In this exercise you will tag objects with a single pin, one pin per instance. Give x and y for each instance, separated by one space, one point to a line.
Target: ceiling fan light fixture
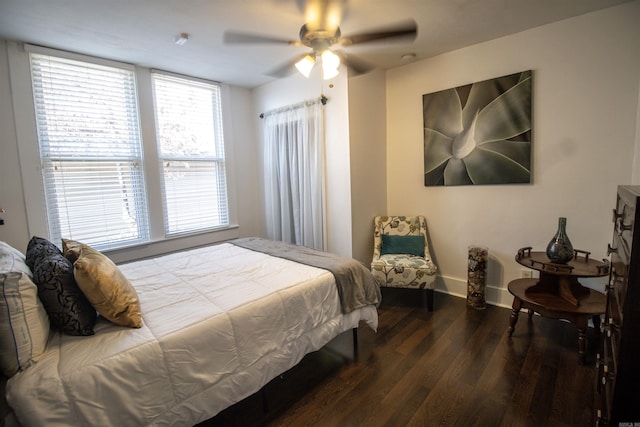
330 59
329 73
330 64
305 65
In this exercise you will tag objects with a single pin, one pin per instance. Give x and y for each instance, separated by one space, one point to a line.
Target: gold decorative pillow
104 285
71 249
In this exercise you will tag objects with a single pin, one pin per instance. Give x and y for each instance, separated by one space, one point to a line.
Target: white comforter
219 323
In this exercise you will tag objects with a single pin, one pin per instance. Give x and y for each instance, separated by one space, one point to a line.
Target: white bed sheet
219 323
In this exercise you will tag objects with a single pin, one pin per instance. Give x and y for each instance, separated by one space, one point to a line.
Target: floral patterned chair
401 256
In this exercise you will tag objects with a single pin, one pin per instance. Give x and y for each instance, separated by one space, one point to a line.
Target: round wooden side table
557 294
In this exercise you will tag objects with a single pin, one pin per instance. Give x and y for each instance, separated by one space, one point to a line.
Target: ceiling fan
322 34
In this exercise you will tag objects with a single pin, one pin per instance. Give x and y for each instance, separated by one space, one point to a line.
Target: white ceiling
143 32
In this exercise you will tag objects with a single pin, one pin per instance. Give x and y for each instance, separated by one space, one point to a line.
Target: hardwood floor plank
541 399
503 370
404 409
456 366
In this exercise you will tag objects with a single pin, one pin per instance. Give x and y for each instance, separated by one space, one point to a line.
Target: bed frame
283 391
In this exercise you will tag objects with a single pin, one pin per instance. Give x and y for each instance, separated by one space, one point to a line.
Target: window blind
191 152
91 151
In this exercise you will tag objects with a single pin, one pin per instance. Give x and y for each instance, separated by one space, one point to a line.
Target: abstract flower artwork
479 134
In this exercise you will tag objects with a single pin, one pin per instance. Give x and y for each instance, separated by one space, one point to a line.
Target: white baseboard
494 295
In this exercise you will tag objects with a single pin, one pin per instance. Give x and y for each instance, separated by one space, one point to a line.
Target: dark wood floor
455 366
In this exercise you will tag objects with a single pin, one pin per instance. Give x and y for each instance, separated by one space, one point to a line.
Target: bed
218 323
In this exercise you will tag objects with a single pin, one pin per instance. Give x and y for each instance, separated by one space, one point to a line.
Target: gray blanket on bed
356 285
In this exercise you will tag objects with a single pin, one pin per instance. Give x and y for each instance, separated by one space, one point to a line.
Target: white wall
14 231
368 136
295 89
585 111
245 159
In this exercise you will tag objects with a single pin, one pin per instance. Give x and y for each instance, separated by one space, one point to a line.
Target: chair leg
427 296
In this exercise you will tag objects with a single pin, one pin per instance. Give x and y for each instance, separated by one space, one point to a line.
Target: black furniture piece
617 396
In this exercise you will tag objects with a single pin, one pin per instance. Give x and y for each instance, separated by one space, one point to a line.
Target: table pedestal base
527 295
566 287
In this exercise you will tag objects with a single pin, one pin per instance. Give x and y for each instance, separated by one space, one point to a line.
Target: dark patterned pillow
67 307
37 249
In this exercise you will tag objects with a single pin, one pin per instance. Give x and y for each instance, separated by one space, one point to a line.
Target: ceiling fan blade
285 69
233 37
403 32
355 65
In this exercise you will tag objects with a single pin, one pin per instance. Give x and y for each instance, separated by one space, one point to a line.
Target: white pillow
24 325
12 259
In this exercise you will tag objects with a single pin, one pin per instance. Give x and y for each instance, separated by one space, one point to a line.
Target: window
191 153
91 151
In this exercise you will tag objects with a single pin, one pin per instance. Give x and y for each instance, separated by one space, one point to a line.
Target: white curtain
294 174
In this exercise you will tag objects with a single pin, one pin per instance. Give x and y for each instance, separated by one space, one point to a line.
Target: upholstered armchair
401 256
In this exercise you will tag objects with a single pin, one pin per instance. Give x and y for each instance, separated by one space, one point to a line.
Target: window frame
121 165
219 160
31 173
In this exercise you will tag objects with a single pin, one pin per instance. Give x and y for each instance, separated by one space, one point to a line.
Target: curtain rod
323 99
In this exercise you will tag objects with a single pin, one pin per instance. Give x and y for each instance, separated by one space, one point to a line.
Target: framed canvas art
480 133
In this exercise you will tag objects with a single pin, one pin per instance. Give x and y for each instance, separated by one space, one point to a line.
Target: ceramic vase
560 249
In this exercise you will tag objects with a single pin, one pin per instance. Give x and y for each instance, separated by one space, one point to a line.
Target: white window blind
191 152
90 148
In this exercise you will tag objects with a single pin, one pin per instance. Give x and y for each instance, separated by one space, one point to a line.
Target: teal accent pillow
411 245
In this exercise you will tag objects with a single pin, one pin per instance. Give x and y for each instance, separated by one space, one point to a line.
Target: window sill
172 244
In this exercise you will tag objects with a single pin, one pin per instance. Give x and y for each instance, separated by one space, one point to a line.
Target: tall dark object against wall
618 371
